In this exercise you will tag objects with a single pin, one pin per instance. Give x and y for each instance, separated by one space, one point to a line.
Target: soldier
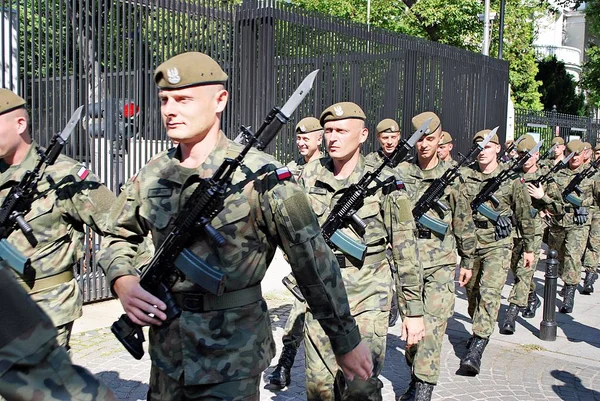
559 153
388 218
69 197
597 152
309 136
220 344
494 246
444 149
511 155
34 366
437 254
522 295
587 152
388 135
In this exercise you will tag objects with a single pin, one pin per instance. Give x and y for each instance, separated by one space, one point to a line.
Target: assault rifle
18 201
353 199
510 148
431 198
572 190
548 176
494 183
173 260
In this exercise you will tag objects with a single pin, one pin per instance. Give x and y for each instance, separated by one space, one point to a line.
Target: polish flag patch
283 173
399 184
83 173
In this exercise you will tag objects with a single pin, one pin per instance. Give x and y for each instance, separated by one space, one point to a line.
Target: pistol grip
347 245
14 258
433 224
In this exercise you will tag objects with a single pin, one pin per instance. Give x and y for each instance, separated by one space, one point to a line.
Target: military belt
481 224
193 302
369 260
50 281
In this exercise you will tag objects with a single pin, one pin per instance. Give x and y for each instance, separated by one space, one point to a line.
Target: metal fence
59 55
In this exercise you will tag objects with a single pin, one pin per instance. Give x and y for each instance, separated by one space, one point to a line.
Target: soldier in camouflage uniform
437 254
388 135
570 225
220 344
69 197
444 149
592 250
559 153
597 152
587 152
309 136
523 294
388 218
32 364
494 246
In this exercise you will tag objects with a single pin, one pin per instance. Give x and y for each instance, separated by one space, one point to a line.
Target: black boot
588 282
471 363
409 394
533 302
280 377
424 391
508 327
569 299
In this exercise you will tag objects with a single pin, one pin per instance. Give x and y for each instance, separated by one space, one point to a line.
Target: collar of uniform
434 172
326 174
15 173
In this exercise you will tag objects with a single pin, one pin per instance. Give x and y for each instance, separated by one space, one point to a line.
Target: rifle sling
194 302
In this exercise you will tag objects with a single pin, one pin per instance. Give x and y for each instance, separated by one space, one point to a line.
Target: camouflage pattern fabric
296 167
592 250
389 220
438 256
293 332
570 244
260 213
374 158
70 196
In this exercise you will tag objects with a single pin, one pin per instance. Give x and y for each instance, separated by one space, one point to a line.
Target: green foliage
590 76
558 88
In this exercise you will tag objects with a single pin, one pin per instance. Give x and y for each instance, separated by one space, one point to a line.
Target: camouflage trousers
293 332
64 335
570 244
524 283
321 366
165 388
592 250
490 268
438 304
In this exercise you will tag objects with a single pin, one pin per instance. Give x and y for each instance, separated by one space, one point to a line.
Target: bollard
548 325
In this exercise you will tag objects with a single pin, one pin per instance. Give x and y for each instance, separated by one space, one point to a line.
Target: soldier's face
388 141
13 132
309 143
559 150
587 155
190 113
489 153
344 137
531 161
576 160
444 151
428 144
597 154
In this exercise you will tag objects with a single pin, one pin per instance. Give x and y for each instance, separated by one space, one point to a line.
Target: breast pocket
159 207
370 214
43 218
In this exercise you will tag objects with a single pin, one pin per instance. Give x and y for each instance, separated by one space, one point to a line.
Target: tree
559 88
590 75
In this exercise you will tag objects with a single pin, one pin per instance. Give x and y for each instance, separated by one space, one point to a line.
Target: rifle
572 190
494 183
431 197
18 201
353 199
173 260
550 151
548 176
509 149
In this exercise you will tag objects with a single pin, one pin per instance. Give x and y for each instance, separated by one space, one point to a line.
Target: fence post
548 325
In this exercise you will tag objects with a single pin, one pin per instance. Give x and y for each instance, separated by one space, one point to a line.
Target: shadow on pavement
572 384
124 389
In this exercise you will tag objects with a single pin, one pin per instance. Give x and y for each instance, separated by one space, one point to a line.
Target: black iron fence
59 55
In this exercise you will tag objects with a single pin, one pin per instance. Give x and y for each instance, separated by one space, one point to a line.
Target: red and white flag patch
83 173
283 173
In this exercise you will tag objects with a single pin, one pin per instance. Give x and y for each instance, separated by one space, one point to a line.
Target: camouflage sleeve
463 225
552 199
125 231
290 219
522 210
399 221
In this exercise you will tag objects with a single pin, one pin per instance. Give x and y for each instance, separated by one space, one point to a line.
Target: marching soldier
444 149
559 153
437 254
220 344
388 135
494 246
68 197
388 218
587 152
309 136
597 152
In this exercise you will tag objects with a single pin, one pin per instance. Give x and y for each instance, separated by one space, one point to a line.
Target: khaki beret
342 111
188 69
387 125
558 140
587 145
480 136
575 146
446 138
307 125
597 147
10 101
419 119
526 144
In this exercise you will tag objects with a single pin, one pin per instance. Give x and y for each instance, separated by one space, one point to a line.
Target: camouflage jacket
389 220
514 200
262 211
374 157
441 250
536 205
296 167
562 211
69 197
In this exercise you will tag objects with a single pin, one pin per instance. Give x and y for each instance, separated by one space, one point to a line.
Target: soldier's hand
356 363
535 192
413 330
580 216
528 258
503 227
464 276
142 307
